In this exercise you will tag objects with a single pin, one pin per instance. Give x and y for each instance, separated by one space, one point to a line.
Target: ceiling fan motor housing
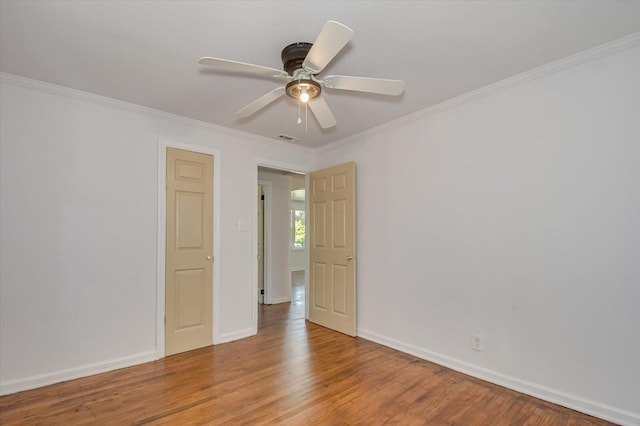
293 56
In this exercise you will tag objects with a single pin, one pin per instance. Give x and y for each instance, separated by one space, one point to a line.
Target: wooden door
189 251
332 244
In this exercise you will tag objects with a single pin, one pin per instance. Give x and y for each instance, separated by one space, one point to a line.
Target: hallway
298 295
267 314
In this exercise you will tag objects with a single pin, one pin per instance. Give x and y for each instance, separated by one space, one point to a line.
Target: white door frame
266 216
163 144
274 164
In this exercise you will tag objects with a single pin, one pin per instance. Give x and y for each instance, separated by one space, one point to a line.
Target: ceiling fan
302 64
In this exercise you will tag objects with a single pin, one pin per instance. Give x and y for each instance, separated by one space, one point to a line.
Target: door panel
339 290
189 299
319 300
189 220
332 244
339 209
189 251
319 223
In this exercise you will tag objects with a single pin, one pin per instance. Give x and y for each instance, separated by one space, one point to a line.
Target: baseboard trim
280 300
592 408
236 335
13 386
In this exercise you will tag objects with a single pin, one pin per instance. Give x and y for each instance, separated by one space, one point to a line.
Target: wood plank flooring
293 373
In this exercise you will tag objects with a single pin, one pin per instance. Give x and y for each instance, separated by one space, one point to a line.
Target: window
297 219
297 229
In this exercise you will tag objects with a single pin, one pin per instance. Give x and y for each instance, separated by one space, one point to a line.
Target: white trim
306 239
266 242
574 402
236 335
13 386
274 164
280 165
280 300
609 48
163 144
54 89
597 52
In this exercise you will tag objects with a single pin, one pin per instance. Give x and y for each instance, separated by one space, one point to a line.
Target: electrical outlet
477 343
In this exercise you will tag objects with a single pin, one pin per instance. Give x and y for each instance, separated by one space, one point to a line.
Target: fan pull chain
299 120
306 117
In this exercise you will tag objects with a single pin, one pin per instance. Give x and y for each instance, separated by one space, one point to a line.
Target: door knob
209 257
348 258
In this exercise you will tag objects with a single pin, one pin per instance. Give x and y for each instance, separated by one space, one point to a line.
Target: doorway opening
281 249
330 245
297 238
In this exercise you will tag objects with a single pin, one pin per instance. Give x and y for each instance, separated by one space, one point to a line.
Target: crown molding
588 55
612 47
67 92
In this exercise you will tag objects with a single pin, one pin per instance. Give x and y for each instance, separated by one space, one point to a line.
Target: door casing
261 249
163 144
266 242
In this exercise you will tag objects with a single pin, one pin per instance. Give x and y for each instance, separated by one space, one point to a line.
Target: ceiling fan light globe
296 88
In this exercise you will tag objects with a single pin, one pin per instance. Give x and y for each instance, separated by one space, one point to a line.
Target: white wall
277 270
298 260
296 182
523 225
78 220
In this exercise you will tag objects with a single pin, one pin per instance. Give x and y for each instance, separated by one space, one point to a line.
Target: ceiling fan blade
364 84
227 65
323 114
332 38
261 102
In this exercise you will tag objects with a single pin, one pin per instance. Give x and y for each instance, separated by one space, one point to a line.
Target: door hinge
165 320
261 291
262 197
165 182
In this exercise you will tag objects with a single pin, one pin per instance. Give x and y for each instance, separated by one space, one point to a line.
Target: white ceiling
146 52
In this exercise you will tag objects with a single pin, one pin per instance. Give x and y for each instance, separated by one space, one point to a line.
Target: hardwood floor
292 372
